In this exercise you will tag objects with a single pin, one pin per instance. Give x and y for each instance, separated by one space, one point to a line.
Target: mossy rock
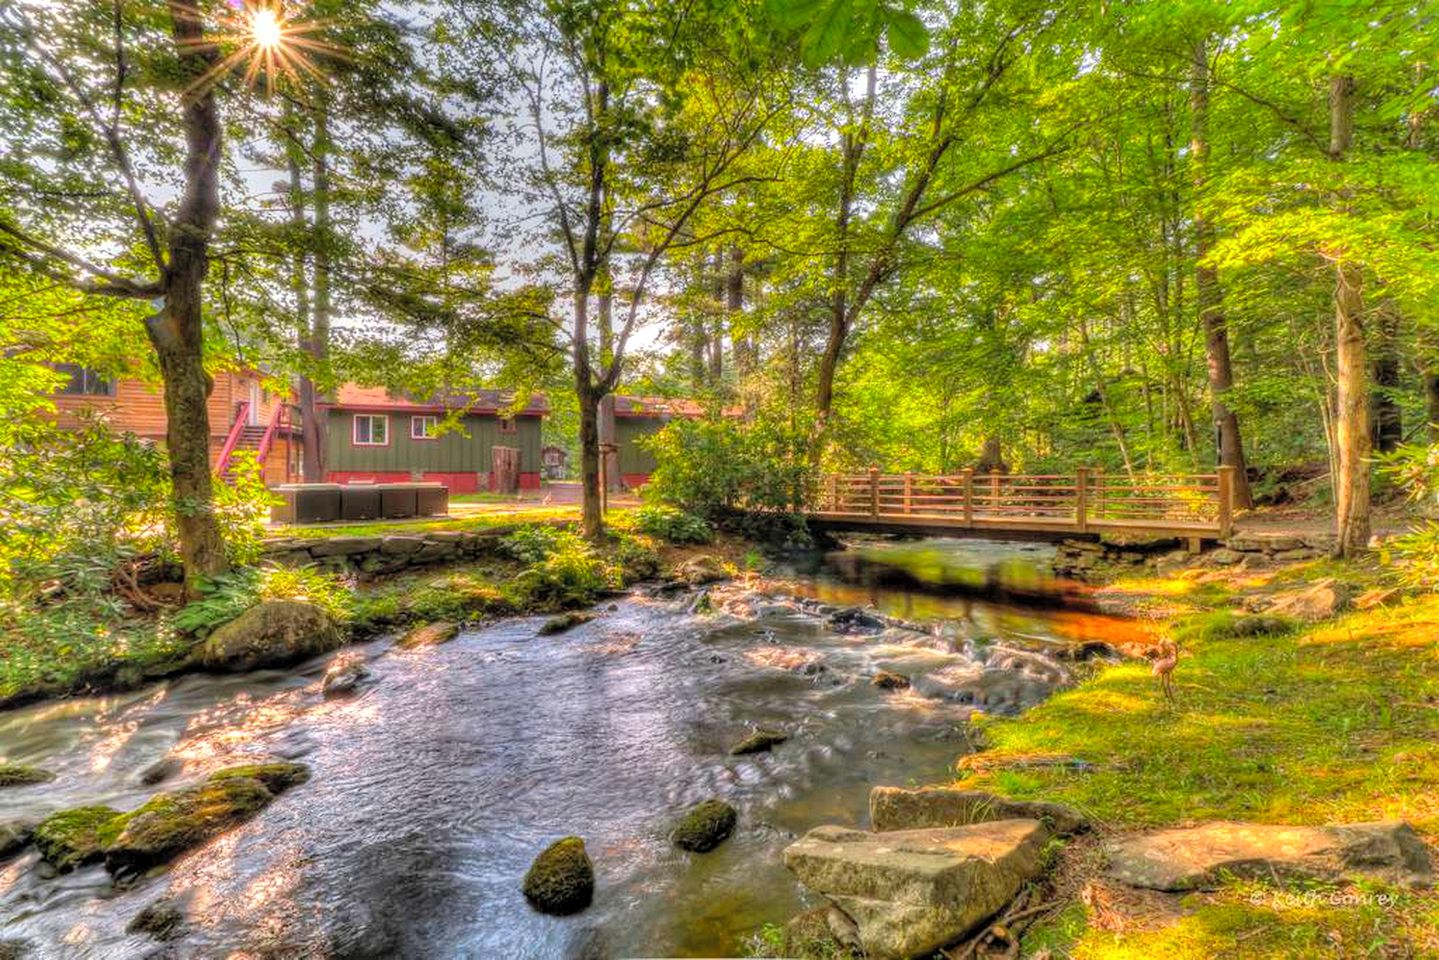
430 634
72 838
272 633
20 775
161 919
167 825
565 621
888 680
15 835
277 776
561 881
761 741
704 826
1260 625
14 949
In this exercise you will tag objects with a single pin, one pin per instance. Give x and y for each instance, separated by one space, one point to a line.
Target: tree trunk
318 343
744 357
1388 416
1208 292
592 520
991 457
1431 401
1352 424
177 331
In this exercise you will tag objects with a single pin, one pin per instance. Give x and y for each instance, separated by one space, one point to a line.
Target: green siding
627 431
456 451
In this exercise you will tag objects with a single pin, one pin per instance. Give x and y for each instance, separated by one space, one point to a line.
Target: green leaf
793 14
908 36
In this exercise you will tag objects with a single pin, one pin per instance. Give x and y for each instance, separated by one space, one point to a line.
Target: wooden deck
1029 506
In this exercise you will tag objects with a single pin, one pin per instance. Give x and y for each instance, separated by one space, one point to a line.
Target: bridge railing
1083 500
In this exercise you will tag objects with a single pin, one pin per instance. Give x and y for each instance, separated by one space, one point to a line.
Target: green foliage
564 569
242 507
709 466
226 597
672 525
534 543
1415 553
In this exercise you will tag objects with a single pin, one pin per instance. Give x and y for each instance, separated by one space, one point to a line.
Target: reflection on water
434 788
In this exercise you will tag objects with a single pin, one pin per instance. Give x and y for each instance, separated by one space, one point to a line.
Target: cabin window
85 382
371 430
507 425
424 428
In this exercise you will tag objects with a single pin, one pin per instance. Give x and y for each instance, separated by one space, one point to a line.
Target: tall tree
85 67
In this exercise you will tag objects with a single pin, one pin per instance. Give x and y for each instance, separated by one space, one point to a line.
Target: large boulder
912 892
704 826
1197 858
895 808
272 633
702 570
1319 601
561 881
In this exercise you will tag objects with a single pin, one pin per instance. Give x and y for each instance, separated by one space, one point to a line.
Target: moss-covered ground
1331 722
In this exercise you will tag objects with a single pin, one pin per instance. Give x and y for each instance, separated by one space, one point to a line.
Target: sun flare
266 27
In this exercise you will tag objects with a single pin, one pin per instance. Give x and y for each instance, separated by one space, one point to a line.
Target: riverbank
368 578
1275 720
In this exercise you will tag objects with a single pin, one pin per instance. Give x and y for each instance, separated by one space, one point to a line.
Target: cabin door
254 414
505 462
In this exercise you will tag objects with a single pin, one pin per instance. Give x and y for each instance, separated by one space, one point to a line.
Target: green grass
1328 723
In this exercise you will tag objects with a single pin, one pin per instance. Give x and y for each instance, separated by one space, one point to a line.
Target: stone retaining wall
384 554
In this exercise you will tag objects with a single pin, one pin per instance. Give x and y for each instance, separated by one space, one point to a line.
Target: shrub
77 506
706 466
535 543
675 526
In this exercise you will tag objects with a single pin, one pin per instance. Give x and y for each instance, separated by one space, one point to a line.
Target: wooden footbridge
1029 506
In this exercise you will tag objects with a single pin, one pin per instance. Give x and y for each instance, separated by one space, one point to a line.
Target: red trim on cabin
633 480
530 481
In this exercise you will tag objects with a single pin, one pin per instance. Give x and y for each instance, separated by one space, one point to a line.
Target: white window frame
419 420
371 417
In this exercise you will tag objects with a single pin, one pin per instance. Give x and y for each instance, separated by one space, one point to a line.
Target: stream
436 785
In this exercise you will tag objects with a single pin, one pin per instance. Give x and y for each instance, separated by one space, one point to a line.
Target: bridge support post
1226 502
969 496
834 492
874 491
908 489
1081 499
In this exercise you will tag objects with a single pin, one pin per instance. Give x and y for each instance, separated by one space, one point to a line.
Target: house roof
352 396
665 407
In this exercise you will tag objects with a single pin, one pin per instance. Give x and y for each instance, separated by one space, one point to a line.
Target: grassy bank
1323 723
542 567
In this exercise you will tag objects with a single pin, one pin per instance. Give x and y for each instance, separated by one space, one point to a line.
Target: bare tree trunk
300 282
1431 402
1208 291
741 343
177 331
592 520
318 344
1351 485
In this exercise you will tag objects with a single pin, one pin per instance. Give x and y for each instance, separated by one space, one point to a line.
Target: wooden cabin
375 436
244 414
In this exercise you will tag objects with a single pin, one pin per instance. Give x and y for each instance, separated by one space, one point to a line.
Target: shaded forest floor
1323 723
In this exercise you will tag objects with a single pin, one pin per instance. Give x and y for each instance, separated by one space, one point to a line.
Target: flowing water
436 785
